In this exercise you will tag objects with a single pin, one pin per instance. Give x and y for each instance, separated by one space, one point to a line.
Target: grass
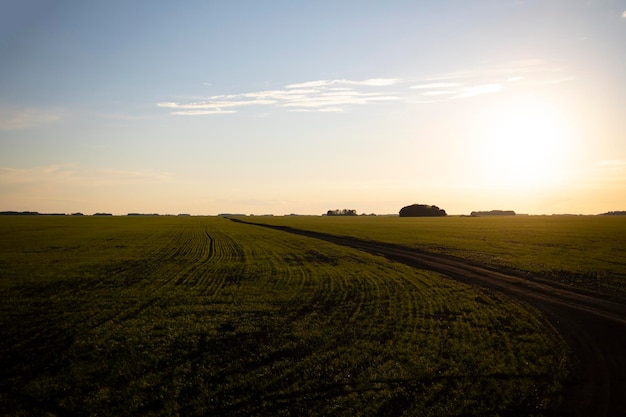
203 316
582 251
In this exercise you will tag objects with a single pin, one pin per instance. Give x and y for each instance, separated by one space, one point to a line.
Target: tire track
594 326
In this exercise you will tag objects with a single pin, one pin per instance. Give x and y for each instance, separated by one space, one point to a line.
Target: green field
203 316
582 251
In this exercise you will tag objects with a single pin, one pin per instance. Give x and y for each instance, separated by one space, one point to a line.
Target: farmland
579 251
205 316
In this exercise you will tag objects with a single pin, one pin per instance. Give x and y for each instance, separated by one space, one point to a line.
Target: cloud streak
473 82
478 90
372 82
319 95
338 95
435 85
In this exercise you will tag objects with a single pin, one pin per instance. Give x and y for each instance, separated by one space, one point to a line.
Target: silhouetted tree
422 210
344 212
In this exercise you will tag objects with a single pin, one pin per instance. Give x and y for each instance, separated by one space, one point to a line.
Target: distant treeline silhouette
422 210
28 213
614 213
493 213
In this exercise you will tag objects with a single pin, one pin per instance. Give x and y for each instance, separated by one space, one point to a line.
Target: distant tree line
614 213
343 212
28 213
36 213
422 210
493 213
19 213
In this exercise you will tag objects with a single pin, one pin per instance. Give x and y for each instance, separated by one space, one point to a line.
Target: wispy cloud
487 79
319 95
435 85
217 104
22 118
478 90
202 112
375 82
440 93
337 95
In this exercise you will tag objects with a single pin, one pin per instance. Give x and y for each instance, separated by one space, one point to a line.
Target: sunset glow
527 144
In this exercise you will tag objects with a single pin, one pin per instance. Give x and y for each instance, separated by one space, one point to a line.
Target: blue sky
280 107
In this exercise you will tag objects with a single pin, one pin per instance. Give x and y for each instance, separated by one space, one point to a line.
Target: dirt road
594 326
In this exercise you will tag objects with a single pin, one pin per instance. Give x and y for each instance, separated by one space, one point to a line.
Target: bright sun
524 143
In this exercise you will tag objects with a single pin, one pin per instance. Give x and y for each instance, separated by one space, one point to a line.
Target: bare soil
593 325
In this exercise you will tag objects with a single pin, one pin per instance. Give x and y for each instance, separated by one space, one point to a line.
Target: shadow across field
594 326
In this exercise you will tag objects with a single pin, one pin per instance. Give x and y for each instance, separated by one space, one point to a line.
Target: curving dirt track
594 326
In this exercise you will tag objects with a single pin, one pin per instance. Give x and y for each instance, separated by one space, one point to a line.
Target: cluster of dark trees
422 210
493 213
344 212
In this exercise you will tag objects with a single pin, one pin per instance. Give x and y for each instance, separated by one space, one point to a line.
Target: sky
279 107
